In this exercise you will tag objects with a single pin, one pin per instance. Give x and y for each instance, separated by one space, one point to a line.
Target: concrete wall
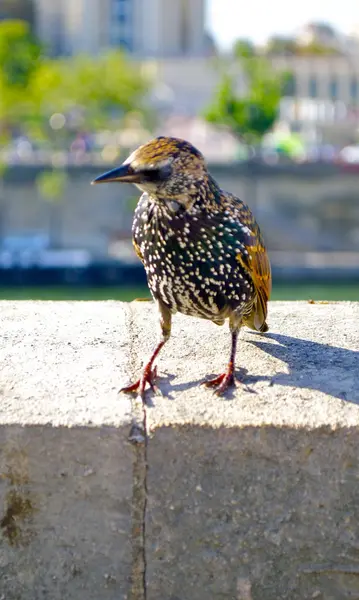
300 209
251 496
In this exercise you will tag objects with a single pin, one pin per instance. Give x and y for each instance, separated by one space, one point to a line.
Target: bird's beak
122 174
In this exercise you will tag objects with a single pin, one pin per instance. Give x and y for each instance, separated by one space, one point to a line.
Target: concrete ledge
65 497
252 496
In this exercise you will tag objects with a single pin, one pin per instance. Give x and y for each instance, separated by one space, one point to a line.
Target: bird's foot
149 375
222 382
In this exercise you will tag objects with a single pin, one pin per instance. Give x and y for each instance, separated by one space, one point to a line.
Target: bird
201 247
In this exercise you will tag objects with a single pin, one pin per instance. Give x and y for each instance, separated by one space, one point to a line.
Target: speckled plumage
190 259
201 247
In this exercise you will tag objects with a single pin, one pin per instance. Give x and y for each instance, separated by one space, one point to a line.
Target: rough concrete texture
66 467
252 496
65 497
255 496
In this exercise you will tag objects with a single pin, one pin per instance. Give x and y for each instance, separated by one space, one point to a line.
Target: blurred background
270 95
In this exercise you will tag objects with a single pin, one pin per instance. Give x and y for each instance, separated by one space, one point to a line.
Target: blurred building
353 40
331 78
327 77
324 94
18 9
322 99
147 28
170 40
50 24
321 34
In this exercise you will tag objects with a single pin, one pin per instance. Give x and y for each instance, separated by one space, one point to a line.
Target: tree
49 99
284 46
315 48
244 48
19 56
251 115
33 87
19 52
278 45
101 88
83 93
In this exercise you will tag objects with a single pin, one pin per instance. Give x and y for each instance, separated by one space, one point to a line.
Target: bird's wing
256 263
140 211
137 250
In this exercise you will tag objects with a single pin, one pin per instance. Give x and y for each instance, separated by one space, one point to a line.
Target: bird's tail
264 327
252 323
257 318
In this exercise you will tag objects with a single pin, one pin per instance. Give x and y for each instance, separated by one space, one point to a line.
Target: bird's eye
156 174
150 175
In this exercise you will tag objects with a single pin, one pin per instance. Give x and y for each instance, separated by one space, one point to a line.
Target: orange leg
226 379
149 373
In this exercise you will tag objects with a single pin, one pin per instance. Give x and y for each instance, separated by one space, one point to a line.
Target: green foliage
244 48
316 49
49 99
19 52
19 57
100 90
251 115
283 46
97 87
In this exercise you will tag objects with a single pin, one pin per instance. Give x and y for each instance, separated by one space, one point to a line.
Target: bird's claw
221 383
148 376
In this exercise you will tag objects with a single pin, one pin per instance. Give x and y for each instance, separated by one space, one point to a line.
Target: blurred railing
309 213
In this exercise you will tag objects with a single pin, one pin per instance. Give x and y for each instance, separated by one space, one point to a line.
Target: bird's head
167 168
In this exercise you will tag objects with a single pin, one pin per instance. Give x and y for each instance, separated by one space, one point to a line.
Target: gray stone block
252 496
65 497
66 466
253 513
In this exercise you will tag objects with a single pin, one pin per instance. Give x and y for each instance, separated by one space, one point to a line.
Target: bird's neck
214 189
210 193
205 193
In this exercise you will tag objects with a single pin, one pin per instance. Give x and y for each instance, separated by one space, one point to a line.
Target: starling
201 247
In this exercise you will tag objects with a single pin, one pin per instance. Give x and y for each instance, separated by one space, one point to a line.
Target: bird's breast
189 264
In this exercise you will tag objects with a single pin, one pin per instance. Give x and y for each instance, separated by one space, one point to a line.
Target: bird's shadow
329 369
168 388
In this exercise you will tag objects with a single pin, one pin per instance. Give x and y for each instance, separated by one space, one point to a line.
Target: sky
258 19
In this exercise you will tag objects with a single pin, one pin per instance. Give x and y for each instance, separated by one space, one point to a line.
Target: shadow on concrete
328 369
332 370
168 388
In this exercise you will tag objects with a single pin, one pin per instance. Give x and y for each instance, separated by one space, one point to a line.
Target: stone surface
252 496
273 509
61 363
255 496
65 498
302 373
66 467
